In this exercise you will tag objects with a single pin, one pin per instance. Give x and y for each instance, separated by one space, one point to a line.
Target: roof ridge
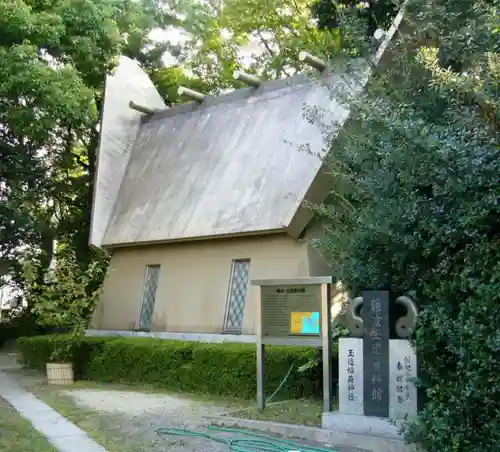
267 87
343 66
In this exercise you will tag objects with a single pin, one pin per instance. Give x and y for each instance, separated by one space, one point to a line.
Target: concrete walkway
61 433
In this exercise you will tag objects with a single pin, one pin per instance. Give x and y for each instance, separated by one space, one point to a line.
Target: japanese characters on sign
290 290
376 353
400 383
403 376
351 382
403 396
377 390
408 375
351 375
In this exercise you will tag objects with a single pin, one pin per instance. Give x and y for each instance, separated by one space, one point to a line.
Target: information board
294 312
291 310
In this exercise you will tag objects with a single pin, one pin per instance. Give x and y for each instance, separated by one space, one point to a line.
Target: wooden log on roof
142 108
314 62
191 93
248 79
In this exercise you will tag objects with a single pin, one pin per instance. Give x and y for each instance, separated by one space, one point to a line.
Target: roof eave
265 232
315 195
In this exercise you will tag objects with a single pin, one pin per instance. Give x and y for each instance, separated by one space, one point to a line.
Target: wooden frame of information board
323 339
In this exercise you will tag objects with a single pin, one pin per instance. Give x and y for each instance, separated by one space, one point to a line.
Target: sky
179 36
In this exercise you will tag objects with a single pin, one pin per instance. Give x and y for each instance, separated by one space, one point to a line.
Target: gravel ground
133 403
140 415
130 419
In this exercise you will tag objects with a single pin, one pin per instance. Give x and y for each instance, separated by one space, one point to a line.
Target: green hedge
220 369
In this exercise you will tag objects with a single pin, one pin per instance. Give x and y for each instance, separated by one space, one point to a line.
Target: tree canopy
55 56
416 170
376 13
417 210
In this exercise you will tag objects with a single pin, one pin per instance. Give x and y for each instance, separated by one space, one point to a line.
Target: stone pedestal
365 432
360 425
402 372
376 375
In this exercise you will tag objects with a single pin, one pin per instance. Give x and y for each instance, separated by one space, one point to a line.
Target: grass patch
17 434
302 411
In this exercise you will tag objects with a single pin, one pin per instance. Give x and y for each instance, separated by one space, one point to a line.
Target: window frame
234 262
143 294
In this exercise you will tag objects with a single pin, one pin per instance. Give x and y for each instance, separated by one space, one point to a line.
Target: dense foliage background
416 202
420 210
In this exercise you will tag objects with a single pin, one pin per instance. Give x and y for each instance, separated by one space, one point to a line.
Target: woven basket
60 373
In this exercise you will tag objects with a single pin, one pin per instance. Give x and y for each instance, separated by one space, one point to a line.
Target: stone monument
377 365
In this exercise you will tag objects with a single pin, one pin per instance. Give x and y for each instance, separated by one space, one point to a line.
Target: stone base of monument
395 394
360 425
335 439
366 432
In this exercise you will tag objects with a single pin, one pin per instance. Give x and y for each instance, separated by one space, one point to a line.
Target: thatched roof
233 165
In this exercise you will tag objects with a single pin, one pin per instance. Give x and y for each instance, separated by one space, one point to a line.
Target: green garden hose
243 440
280 385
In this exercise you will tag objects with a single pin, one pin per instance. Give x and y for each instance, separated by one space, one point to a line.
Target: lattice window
149 297
237 296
